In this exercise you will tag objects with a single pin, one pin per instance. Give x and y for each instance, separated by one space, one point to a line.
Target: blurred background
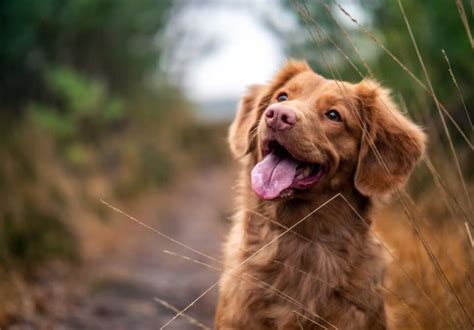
128 102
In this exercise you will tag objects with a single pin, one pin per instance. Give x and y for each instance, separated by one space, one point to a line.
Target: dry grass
454 255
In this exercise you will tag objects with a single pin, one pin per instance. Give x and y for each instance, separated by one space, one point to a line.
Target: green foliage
86 106
70 74
114 40
436 25
86 110
205 143
157 164
33 239
32 229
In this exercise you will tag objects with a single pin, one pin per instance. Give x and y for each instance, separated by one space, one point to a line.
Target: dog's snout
279 117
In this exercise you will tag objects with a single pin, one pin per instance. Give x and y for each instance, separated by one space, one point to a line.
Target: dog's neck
326 216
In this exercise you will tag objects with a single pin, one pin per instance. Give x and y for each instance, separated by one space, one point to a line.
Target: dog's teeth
307 171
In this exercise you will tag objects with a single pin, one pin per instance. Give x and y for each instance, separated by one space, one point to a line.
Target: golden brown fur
328 269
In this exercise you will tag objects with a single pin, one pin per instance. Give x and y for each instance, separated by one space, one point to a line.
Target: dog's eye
333 115
282 97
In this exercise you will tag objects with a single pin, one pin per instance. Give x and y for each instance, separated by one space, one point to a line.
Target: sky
243 51
217 48
249 54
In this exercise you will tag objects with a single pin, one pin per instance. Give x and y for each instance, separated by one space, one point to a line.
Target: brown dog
303 139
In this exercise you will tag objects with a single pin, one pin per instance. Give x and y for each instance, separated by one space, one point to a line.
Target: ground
118 289
125 267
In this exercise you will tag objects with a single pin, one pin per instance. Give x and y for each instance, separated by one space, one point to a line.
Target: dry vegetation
417 294
430 279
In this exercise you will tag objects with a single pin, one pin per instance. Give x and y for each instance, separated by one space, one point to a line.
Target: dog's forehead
305 83
309 83
337 87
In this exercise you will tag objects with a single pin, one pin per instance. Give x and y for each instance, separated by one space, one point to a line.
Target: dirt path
121 288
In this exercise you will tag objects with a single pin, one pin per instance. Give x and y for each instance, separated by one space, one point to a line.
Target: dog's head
305 133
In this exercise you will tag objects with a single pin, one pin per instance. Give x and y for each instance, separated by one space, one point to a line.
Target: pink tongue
273 175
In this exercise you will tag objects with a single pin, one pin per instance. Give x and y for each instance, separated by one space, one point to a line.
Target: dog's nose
279 118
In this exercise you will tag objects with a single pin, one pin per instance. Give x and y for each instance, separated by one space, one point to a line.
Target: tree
436 25
111 40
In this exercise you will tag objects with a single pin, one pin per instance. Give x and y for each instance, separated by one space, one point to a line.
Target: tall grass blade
465 22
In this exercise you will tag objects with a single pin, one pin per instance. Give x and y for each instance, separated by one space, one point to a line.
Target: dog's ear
391 144
242 132
241 129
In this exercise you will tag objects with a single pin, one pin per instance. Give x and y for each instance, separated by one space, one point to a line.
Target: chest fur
281 271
